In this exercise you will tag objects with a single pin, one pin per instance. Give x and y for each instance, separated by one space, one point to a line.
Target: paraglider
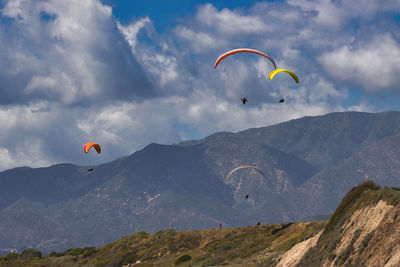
282 100
242 50
247 196
244 100
88 146
241 167
291 73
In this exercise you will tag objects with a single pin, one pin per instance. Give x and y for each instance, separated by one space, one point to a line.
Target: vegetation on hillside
252 246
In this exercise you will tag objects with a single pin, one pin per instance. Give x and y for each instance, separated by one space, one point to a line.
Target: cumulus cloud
131 31
213 29
373 65
228 22
368 8
23 135
211 115
69 50
327 13
199 41
336 14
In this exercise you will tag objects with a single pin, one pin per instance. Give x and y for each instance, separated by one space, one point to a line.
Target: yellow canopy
291 73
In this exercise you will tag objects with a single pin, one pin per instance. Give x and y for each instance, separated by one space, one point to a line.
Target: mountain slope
309 165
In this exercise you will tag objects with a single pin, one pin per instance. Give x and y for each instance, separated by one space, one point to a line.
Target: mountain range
309 165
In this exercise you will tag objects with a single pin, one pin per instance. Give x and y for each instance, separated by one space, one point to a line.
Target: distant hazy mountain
309 165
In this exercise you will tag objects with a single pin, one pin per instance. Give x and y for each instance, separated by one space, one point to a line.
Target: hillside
256 245
309 166
364 231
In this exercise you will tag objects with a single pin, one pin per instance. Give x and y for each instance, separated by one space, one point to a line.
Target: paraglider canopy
88 146
91 169
282 100
242 50
291 73
241 167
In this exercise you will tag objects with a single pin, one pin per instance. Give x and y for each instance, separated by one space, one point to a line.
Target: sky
125 74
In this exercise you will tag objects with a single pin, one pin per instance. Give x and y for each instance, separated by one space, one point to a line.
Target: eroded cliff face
379 241
366 236
365 231
292 257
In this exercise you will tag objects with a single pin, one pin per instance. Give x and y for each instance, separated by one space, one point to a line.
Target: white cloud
368 8
327 13
199 41
214 29
25 154
20 139
335 14
131 31
161 66
228 22
373 66
214 114
71 50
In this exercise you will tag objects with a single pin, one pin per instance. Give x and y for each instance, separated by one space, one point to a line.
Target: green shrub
56 254
80 251
9 257
349 249
366 239
267 262
128 258
183 258
212 262
163 235
89 251
141 234
31 253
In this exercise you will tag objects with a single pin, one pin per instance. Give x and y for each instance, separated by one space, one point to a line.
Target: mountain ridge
309 165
